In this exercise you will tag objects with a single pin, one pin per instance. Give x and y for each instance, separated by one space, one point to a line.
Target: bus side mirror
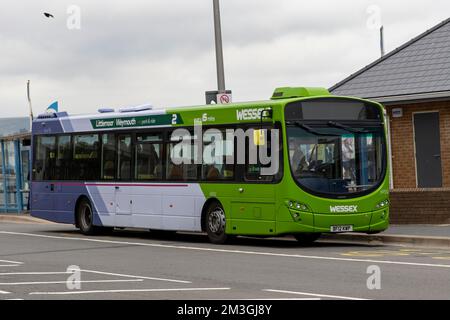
267 114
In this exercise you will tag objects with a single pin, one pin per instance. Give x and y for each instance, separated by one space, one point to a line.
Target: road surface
41 261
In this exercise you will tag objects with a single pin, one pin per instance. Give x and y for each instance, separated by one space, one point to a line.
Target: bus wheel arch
205 211
214 210
84 215
75 211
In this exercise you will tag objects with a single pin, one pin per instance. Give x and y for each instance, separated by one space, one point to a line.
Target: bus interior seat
176 173
108 170
125 170
213 173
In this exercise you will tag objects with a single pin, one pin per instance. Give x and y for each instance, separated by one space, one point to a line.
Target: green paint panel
253 227
253 210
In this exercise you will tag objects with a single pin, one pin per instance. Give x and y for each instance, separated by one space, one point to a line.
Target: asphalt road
34 259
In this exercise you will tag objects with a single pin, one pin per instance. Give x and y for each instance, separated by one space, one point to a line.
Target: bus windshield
336 159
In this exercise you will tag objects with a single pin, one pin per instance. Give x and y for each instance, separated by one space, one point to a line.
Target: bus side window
63 157
253 146
108 156
187 170
124 157
44 164
86 164
148 161
181 155
215 152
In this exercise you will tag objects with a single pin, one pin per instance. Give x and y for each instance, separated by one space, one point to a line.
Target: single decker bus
118 169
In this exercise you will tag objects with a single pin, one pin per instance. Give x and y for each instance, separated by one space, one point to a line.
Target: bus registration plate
342 228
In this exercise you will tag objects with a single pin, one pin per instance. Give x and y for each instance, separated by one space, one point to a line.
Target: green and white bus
117 168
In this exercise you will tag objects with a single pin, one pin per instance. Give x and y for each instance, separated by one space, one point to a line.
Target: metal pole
382 40
4 173
219 50
29 104
17 164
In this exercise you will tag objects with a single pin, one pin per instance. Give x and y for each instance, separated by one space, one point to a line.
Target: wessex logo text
343 208
249 114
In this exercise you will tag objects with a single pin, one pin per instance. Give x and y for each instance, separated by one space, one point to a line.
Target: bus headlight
295 205
382 204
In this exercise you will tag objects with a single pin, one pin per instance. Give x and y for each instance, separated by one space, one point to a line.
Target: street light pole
382 40
219 50
29 104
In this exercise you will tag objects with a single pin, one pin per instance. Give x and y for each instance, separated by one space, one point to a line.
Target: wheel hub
86 217
216 221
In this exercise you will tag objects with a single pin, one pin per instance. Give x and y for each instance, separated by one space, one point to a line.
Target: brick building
413 82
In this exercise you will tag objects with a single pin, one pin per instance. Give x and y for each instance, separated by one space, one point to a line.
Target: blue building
15 148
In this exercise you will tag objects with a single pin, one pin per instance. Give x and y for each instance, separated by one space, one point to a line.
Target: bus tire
215 223
85 217
305 239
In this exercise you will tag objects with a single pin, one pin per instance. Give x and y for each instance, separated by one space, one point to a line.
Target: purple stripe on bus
70 184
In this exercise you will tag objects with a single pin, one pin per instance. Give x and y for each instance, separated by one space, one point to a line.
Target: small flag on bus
53 107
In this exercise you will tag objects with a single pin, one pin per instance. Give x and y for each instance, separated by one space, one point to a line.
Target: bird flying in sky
48 15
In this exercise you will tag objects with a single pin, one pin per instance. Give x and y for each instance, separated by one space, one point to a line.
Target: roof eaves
416 97
16 136
390 54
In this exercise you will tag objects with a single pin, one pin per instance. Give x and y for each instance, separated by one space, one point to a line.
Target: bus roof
137 118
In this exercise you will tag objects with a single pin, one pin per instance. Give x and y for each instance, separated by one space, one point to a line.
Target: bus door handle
241 190
117 187
52 187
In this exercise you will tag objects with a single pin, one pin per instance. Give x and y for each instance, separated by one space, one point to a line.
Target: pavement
21 218
54 261
414 235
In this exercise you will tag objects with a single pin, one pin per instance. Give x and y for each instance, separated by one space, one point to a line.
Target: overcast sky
162 52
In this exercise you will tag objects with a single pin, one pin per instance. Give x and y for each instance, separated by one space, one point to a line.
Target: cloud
163 51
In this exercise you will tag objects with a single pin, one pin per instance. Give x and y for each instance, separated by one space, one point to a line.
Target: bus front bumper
368 222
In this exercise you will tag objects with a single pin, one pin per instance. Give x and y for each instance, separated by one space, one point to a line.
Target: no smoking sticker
224 98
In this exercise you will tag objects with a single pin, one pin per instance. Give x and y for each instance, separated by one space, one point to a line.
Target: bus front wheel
85 218
215 223
306 238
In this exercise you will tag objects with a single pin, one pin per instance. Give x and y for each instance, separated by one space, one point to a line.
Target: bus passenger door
123 191
43 195
147 197
253 201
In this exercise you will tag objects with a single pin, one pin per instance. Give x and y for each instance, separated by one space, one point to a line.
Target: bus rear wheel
85 218
305 239
215 223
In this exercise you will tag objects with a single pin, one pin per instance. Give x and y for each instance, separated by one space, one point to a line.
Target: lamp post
29 104
219 50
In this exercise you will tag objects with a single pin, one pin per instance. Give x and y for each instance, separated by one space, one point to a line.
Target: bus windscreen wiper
310 129
343 126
